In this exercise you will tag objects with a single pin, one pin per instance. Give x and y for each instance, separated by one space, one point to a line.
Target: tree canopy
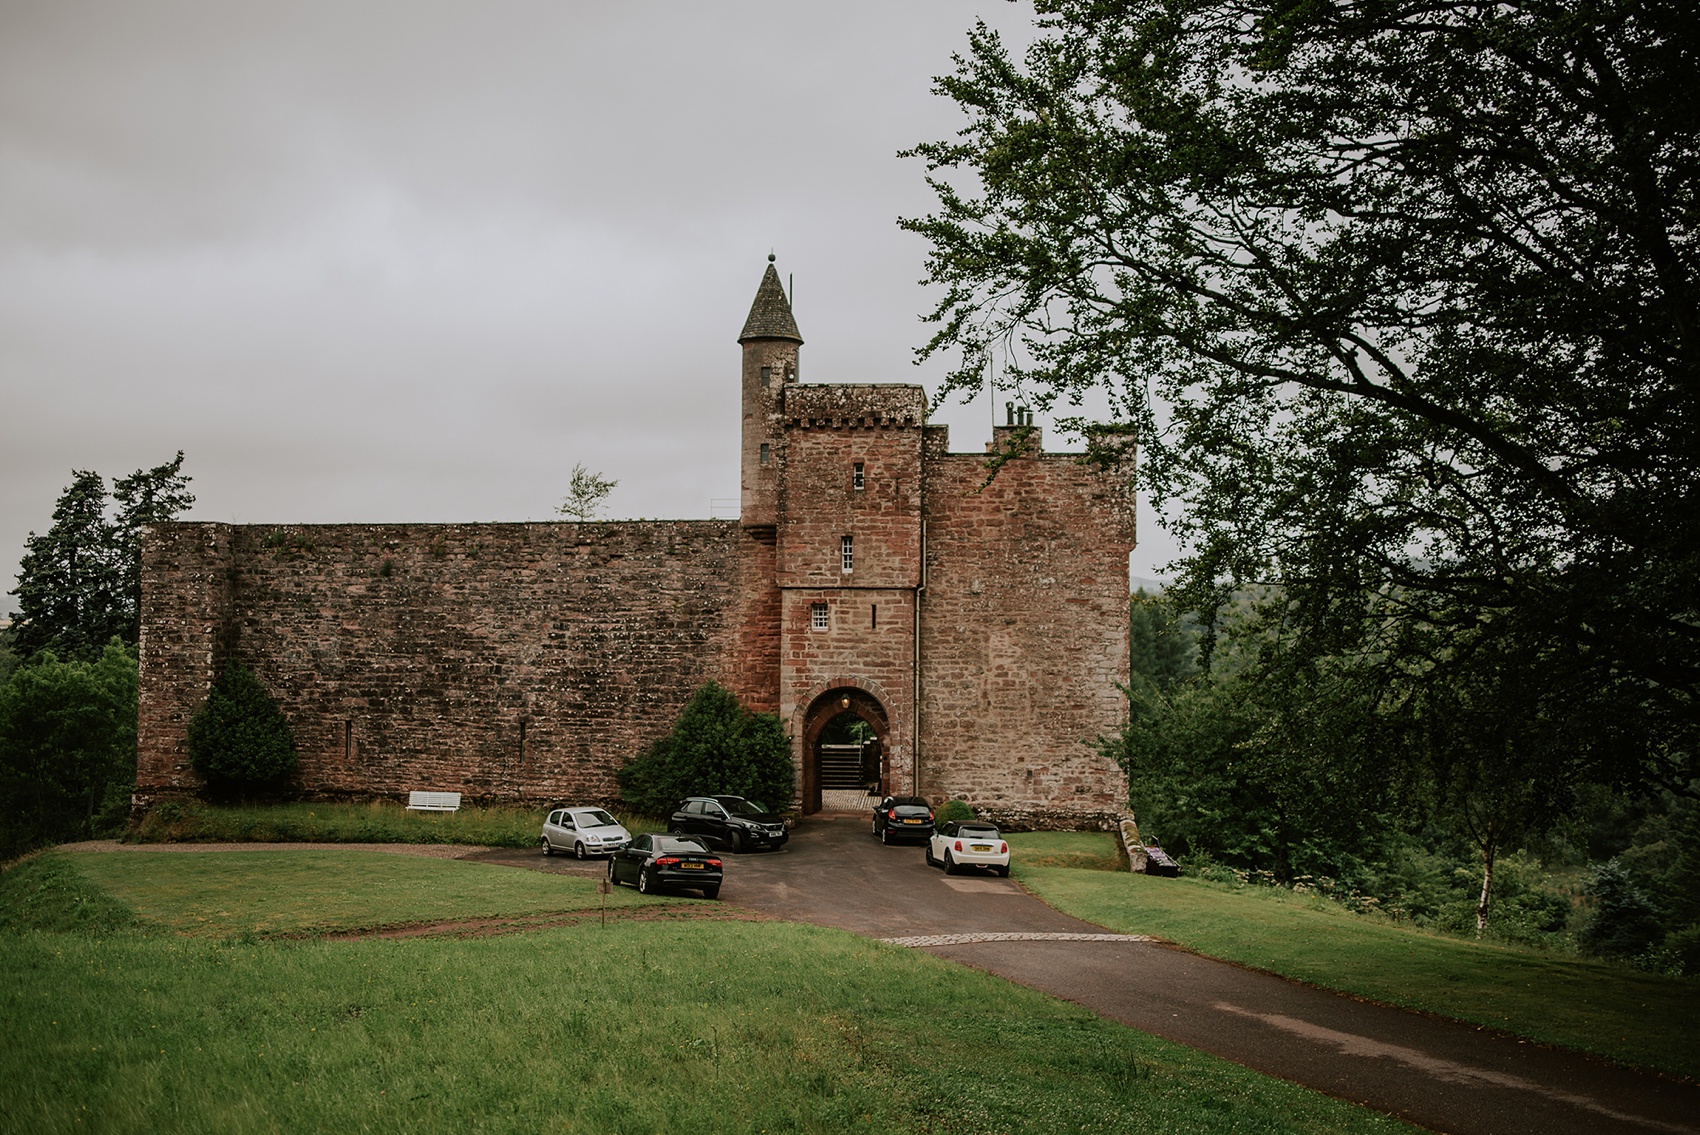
1400 301
79 583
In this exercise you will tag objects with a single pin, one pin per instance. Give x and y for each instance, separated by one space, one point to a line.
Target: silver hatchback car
584 832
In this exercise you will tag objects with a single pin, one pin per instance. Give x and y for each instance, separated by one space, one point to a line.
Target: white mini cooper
971 843
584 832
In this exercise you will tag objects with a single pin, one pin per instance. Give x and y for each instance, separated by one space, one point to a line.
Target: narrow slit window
857 479
522 738
817 616
766 453
348 740
846 554
874 622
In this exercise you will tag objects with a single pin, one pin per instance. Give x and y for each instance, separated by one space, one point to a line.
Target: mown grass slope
1638 1018
117 1023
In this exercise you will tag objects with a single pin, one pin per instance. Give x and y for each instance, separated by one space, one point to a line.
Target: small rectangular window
766 376
846 554
766 453
817 616
348 740
857 481
875 623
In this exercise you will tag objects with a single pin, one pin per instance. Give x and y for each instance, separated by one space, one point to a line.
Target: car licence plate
914 821
981 846
692 866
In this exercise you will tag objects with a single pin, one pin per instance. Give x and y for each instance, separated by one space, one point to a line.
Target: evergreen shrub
716 747
239 741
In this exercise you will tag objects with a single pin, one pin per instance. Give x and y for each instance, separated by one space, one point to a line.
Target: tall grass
175 821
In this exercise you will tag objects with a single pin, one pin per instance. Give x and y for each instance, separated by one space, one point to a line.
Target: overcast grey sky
371 261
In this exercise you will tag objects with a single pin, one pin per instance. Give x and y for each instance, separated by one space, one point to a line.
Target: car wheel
930 860
1003 872
578 849
885 836
949 864
737 842
612 878
547 850
711 892
676 830
644 885
874 826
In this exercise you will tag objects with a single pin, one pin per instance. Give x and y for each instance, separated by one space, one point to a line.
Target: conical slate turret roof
770 316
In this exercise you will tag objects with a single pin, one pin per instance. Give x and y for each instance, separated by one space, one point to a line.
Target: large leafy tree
79 583
67 747
1401 300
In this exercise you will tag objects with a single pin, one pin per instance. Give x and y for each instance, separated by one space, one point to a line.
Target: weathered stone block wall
1024 637
502 661
830 430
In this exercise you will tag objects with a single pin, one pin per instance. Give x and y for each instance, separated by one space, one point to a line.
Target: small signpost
603 886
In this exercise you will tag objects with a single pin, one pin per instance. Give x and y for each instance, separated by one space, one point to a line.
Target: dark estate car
729 821
903 817
662 862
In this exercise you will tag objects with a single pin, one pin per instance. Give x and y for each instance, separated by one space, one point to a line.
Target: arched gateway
844 745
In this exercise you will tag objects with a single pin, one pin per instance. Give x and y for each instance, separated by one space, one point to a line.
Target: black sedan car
729 821
904 817
667 862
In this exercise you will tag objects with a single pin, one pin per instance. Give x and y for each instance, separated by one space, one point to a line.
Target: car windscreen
669 845
738 806
595 818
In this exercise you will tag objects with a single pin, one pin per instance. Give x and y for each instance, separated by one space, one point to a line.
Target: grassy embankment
1617 1012
114 1023
378 822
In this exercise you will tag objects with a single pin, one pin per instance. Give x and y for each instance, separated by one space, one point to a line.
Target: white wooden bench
433 801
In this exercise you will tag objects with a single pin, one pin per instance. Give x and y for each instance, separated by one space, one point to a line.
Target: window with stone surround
766 453
857 480
846 554
766 376
817 616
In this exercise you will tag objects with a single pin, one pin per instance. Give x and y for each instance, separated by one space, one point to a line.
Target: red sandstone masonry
1023 636
408 656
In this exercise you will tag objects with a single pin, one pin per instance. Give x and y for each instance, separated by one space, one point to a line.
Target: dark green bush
952 811
238 740
1625 923
716 747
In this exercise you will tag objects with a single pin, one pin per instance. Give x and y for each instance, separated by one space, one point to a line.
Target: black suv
730 821
904 817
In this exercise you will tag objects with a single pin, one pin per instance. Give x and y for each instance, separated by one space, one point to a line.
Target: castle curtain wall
502 661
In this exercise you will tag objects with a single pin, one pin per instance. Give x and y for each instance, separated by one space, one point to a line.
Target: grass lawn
290 892
377 822
1635 1017
115 1024
1091 851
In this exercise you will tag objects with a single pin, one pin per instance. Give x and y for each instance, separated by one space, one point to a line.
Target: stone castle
978 627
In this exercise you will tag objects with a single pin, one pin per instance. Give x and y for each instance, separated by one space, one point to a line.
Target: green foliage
67 748
1163 648
952 811
586 493
239 740
716 747
1398 302
79 584
1625 922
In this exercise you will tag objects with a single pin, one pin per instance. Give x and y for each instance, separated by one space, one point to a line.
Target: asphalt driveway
1439 1074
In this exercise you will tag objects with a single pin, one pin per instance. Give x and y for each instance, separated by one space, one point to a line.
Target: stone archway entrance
845 746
